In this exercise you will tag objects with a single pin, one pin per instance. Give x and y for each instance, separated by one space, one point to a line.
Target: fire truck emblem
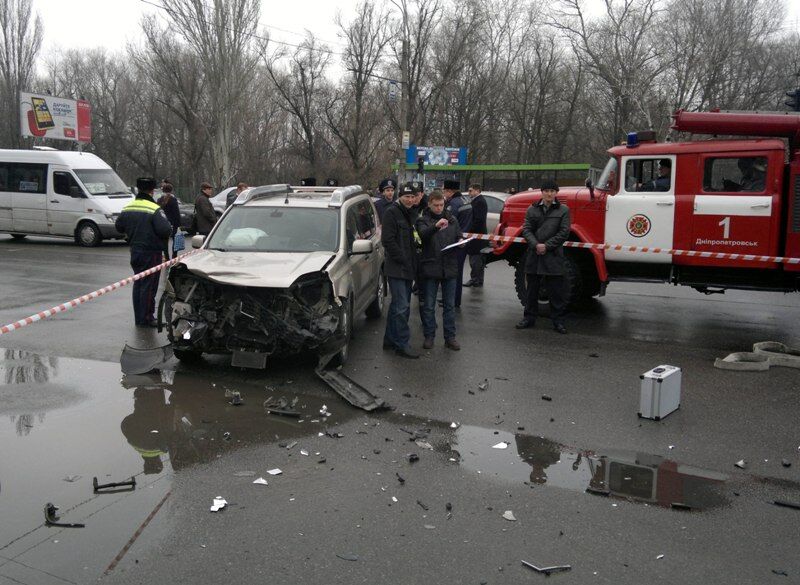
639 225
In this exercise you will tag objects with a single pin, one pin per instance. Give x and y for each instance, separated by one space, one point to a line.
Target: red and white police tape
647 250
92 295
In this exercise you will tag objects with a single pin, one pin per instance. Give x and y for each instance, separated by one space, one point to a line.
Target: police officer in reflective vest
147 230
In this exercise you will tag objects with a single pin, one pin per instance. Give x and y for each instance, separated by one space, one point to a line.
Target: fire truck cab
739 198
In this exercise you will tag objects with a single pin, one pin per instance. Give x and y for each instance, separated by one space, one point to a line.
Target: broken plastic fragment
424 444
509 515
219 503
484 385
347 556
275 471
786 463
659 557
72 478
430 527
741 464
454 425
547 398
500 445
292 444
412 457
394 499
261 481
303 452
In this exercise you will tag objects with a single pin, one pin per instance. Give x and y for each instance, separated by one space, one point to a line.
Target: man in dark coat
400 241
460 206
169 204
546 228
204 215
386 189
477 261
437 229
147 230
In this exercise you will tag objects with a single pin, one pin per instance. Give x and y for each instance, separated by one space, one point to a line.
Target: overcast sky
112 23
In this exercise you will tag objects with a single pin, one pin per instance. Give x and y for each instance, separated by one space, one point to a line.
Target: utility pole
404 109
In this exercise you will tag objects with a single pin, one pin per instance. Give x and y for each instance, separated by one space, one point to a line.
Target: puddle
638 477
79 419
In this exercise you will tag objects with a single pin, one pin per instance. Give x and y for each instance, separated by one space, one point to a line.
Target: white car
494 202
220 201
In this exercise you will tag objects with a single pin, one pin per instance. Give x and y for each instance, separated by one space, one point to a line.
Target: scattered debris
226 435
448 506
787 504
430 527
454 425
786 463
400 478
509 515
407 394
51 518
322 460
235 397
304 452
281 406
324 411
659 557
74 478
413 457
484 385
290 445
594 355
501 378
424 444
500 445
547 397
780 572
275 471
741 464
219 504
129 485
261 481
548 570
334 435
244 474
347 556
394 499
423 506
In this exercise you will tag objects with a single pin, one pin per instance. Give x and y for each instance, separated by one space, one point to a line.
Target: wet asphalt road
67 413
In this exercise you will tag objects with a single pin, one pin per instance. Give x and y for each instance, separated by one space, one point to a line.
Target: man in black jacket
147 230
477 261
546 228
438 229
460 206
400 241
386 189
204 215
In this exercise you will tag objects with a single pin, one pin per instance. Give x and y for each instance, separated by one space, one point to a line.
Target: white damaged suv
285 269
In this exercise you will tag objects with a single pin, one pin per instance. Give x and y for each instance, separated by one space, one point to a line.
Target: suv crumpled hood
266 269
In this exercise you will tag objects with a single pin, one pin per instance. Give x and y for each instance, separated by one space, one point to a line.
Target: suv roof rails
342 194
262 192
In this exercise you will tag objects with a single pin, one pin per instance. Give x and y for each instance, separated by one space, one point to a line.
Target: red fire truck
734 196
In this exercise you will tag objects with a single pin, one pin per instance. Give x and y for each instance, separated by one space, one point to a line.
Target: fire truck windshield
608 176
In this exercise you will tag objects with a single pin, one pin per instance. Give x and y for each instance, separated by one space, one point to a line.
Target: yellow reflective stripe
149 453
142 205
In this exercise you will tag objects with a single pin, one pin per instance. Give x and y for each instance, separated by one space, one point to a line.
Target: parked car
187 215
220 201
285 269
494 201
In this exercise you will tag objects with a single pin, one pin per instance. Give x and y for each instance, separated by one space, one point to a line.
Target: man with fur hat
546 228
386 198
147 230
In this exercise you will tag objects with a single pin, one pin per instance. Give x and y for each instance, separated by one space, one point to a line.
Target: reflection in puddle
189 419
635 476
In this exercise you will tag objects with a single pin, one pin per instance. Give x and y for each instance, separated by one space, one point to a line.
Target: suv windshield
608 176
277 229
102 182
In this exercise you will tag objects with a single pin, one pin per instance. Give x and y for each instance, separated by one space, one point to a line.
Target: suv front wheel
346 330
375 309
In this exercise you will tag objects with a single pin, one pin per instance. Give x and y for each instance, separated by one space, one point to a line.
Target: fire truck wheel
574 283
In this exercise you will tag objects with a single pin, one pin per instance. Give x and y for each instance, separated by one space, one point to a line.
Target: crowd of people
423 237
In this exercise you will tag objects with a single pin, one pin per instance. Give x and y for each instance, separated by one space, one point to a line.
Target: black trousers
555 290
477 264
144 289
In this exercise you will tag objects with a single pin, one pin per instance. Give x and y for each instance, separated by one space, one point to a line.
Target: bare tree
353 112
21 34
222 35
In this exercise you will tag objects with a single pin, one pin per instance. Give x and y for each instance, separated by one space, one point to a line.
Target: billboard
46 116
436 155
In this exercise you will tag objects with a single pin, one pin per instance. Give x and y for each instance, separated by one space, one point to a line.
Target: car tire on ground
375 309
88 235
19 236
576 280
346 329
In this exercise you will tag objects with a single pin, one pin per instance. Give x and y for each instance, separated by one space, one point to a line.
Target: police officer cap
417 185
145 184
549 184
385 184
450 184
408 189
308 182
332 182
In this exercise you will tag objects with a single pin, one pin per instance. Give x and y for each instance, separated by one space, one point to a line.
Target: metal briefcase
660 393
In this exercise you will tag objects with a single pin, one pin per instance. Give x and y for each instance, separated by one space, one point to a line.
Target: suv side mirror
590 186
362 247
197 241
